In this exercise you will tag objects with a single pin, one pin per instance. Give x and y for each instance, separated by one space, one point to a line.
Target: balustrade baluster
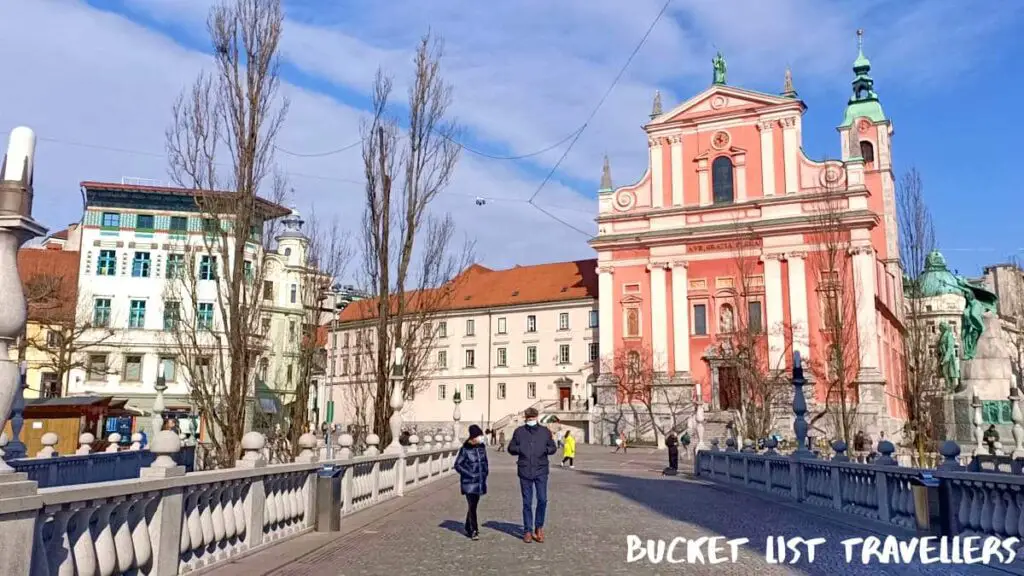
205 518
138 526
217 514
186 539
82 542
123 545
241 520
195 525
998 511
60 551
227 498
106 554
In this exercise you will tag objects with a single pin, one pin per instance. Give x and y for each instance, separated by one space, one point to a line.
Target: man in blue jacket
533 444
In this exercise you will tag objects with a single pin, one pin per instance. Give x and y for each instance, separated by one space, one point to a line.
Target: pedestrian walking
501 441
672 443
569 450
471 464
620 442
532 444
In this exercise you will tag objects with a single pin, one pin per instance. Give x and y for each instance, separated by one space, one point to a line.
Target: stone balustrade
168 521
971 502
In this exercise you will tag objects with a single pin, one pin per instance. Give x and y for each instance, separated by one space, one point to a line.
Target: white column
659 316
606 312
790 147
798 302
677 170
741 177
864 285
680 318
767 158
774 315
657 174
702 179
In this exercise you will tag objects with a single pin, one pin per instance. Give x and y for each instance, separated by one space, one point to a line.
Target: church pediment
730 151
720 99
631 299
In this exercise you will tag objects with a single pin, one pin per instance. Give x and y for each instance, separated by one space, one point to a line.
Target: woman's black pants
471 524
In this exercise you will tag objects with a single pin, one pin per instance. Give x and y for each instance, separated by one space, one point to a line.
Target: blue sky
101 75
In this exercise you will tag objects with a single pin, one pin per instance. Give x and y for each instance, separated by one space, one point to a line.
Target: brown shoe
528 537
539 535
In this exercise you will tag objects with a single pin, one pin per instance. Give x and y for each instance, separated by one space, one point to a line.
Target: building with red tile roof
504 340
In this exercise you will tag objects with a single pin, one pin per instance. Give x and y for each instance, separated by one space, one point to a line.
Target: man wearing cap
533 444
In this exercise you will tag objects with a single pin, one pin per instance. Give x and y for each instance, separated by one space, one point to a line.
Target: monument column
659 316
657 173
863 258
677 170
790 149
680 318
767 157
702 180
741 177
774 315
798 302
606 312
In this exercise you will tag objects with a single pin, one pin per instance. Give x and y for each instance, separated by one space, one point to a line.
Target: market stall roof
76 406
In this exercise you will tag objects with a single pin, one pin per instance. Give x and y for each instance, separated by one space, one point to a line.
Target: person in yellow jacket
569 450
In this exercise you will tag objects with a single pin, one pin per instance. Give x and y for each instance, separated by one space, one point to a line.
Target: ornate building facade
733 225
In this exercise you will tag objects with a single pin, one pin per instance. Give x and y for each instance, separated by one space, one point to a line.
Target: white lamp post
16 227
397 402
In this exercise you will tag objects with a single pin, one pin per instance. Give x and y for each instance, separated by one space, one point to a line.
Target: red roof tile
481 287
50 281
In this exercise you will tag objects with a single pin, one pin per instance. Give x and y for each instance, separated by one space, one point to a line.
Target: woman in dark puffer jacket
471 464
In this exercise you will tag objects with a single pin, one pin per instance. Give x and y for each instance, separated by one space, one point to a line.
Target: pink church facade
671 255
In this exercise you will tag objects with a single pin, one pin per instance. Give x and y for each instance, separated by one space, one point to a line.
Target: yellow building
49 277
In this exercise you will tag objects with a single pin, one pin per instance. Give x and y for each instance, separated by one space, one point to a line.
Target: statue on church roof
656 106
718 62
787 85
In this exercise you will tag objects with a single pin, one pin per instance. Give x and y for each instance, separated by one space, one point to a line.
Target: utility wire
291 173
446 137
594 112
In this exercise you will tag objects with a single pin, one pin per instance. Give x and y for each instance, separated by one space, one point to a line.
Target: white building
132 239
507 340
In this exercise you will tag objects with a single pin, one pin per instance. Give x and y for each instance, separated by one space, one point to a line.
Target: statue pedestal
990 372
988 375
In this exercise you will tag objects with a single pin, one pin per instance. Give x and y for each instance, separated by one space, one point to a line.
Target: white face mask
531 422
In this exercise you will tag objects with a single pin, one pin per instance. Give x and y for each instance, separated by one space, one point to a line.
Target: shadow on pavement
454 526
513 530
738 515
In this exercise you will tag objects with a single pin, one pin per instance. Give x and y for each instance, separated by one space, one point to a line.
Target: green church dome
937 280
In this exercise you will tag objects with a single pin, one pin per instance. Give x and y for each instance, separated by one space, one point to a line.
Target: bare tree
328 254
917 240
635 372
64 324
743 344
230 117
837 361
409 261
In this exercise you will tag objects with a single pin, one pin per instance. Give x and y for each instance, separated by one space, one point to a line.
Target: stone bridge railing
169 522
961 502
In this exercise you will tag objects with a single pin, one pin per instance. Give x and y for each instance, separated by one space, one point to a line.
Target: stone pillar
307 443
790 149
767 157
676 153
704 185
867 329
798 302
659 316
774 315
372 440
165 526
606 312
680 318
85 441
657 173
740 167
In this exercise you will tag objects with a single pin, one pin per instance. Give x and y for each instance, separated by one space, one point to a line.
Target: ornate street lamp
16 227
456 414
397 401
158 402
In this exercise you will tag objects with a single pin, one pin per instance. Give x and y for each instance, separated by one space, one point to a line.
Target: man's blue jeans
528 487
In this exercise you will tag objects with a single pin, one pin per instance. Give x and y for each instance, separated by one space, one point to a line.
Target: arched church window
721 180
867 151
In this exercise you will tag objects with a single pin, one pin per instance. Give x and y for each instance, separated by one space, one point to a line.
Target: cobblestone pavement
591 511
